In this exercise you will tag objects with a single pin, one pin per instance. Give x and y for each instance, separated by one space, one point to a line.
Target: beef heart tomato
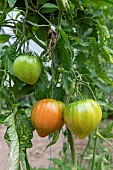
47 116
82 117
27 68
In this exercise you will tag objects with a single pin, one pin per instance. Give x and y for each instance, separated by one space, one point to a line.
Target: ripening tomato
82 117
27 68
47 116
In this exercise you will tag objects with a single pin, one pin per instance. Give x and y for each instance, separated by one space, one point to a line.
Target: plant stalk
94 151
88 143
100 136
73 149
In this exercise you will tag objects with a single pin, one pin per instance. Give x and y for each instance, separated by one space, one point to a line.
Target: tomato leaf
58 93
42 1
24 160
18 137
4 38
26 89
83 41
5 93
64 37
3 117
102 75
8 58
48 7
54 139
41 88
25 133
68 83
63 55
106 131
12 140
104 31
57 162
24 130
100 2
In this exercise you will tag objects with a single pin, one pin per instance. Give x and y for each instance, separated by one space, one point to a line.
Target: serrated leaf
58 93
4 38
48 7
99 162
104 31
68 83
7 95
106 131
25 131
24 160
14 148
88 32
8 58
101 74
83 41
12 139
41 88
3 117
99 2
54 139
1 5
11 3
26 89
105 104
63 55
103 2
56 161
42 1
64 37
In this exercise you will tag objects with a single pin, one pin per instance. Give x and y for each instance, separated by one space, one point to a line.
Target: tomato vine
72 40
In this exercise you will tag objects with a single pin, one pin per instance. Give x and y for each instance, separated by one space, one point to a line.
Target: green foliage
48 7
107 131
77 63
54 139
24 130
41 88
4 38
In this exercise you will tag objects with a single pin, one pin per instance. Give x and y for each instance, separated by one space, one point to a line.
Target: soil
37 155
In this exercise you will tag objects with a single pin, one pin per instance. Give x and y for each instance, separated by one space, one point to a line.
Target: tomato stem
100 136
73 149
87 146
60 18
94 150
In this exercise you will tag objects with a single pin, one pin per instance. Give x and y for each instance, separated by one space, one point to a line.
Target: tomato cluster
82 117
49 115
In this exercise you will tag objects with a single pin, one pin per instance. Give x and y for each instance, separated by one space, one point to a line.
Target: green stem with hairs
82 155
94 150
100 136
71 142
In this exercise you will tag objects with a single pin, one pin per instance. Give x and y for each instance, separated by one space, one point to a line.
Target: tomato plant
27 68
47 116
82 117
57 52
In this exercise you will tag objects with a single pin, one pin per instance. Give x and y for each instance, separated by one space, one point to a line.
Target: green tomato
82 117
27 68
